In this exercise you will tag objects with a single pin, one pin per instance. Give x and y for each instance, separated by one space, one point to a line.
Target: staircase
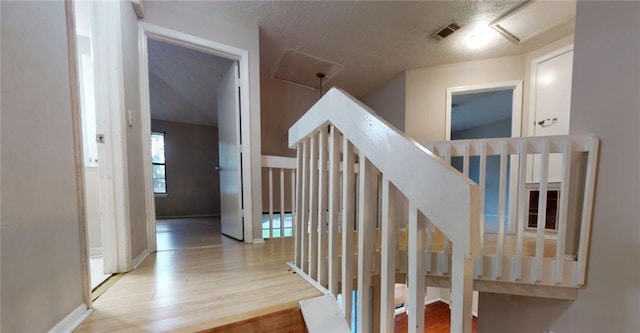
374 208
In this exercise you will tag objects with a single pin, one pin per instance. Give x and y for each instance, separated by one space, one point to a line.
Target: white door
552 104
229 143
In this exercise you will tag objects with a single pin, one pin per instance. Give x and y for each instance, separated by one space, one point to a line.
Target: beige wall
41 264
282 105
198 18
606 102
388 100
426 91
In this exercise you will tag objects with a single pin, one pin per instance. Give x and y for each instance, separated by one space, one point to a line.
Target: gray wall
41 271
191 153
388 100
604 102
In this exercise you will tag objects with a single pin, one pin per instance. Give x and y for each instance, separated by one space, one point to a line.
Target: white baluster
367 213
270 202
322 209
389 226
558 269
502 194
542 211
416 270
313 208
348 223
334 206
523 216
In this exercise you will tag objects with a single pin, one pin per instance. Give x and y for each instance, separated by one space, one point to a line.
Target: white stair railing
339 135
564 166
280 195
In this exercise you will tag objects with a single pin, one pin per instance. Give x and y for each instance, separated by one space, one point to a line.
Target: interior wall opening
185 148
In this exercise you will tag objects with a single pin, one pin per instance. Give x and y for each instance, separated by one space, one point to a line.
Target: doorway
196 103
488 111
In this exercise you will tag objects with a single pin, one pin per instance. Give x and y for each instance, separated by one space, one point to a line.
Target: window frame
166 187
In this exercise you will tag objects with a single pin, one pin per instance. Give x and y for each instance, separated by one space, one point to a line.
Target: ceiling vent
445 31
533 18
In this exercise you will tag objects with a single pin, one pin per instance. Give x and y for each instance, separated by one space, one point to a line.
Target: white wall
606 102
41 263
92 203
388 100
426 91
200 19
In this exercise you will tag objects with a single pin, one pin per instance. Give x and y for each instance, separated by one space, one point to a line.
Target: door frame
147 30
516 130
109 96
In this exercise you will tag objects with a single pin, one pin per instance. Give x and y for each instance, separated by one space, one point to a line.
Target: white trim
96 252
140 258
212 47
186 216
516 131
76 120
72 320
516 115
109 80
279 162
307 278
532 89
0 181
258 241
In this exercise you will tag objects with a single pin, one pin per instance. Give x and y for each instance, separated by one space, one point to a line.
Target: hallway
189 289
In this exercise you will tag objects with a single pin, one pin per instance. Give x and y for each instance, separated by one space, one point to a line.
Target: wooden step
288 320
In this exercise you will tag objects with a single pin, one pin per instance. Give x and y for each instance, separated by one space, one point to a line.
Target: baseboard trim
138 260
72 320
185 216
257 241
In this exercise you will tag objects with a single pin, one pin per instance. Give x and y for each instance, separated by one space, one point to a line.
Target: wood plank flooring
436 319
193 289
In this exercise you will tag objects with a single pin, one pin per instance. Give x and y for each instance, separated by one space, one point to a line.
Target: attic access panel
533 18
301 68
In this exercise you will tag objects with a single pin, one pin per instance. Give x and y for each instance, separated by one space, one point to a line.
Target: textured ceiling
183 83
375 40
368 42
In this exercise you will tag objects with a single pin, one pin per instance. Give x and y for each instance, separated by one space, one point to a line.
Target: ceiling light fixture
320 76
479 39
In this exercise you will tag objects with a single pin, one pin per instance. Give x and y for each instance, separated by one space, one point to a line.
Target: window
159 167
